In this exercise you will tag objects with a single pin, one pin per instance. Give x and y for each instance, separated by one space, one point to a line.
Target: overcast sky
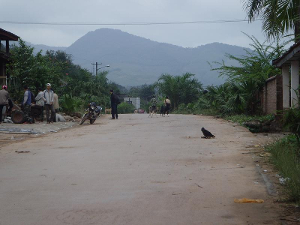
130 11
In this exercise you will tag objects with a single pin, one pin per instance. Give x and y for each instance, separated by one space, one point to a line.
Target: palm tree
180 89
279 16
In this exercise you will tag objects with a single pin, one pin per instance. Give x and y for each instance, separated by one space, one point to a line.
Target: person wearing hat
114 100
4 96
48 95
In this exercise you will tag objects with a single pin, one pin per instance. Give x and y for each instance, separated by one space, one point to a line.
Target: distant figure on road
153 106
4 96
167 105
48 95
55 105
114 100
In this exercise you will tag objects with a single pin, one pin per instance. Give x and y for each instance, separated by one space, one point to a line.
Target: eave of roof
293 54
6 35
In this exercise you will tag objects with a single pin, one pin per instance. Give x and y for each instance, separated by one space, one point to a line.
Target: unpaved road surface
135 170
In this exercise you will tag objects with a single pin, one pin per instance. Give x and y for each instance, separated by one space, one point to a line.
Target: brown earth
136 170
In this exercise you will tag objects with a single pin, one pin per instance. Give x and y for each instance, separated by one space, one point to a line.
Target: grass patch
286 158
241 119
206 112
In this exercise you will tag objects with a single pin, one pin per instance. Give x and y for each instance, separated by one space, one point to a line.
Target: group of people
165 108
45 100
114 100
48 100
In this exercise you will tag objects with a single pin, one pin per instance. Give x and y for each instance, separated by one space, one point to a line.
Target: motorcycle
92 112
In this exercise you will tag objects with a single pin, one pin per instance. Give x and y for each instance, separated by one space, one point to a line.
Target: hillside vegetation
136 61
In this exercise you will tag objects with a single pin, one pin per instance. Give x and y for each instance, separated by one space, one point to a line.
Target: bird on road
207 134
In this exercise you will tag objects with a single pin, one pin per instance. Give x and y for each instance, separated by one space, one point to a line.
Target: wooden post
294 83
7 46
286 86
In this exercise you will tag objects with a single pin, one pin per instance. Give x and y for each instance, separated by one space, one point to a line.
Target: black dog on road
207 134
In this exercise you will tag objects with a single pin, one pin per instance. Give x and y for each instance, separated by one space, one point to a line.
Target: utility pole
96 68
96 64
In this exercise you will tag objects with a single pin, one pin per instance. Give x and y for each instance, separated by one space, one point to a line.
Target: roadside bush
71 104
286 158
125 108
241 119
291 121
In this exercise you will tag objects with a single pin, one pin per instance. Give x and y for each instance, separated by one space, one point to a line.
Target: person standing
167 105
48 95
153 103
27 104
4 96
114 100
55 105
40 102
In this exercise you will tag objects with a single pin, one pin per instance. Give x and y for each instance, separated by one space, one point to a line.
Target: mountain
45 48
135 60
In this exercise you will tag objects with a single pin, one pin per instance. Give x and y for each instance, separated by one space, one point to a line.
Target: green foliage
286 158
71 104
244 82
291 121
125 108
76 87
145 92
240 93
242 118
279 17
183 89
27 69
256 66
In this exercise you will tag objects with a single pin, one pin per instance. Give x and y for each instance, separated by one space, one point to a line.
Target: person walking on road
153 103
4 96
114 100
48 95
167 105
55 105
40 102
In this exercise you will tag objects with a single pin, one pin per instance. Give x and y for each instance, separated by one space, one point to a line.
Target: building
5 37
271 96
289 65
134 101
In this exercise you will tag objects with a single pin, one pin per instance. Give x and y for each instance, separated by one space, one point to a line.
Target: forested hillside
136 61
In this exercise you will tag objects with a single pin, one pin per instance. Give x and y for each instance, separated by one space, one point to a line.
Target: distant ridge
135 60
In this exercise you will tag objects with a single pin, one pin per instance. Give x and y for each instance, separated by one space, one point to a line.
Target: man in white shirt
48 95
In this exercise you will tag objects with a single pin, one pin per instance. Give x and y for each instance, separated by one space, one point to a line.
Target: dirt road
135 170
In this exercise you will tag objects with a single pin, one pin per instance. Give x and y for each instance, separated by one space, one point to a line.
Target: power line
125 24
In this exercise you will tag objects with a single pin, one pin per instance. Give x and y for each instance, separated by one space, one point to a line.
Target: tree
246 80
279 17
75 86
180 89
